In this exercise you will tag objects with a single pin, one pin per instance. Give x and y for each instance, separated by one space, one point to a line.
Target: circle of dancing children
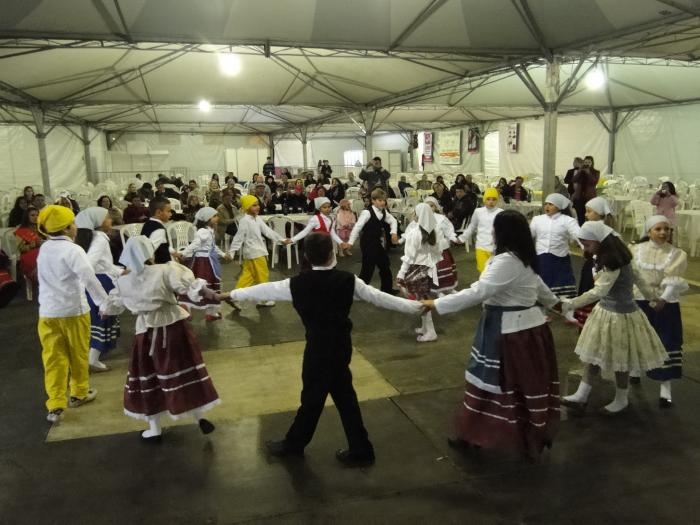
511 399
482 224
553 232
93 225
205 261
617 337
661 266
345 221
419 273
328 351
167 375
64 274
373 227
446 268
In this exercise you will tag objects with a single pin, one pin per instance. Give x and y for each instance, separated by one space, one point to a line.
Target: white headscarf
204 214
425 217
651 221
91 218
558 200
595 231
137 251
600 206
434 201
320 201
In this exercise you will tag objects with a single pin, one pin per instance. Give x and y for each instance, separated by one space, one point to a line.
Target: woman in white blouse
511 400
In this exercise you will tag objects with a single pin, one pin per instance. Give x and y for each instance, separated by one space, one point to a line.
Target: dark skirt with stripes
557 274
418 281
103 332
202 269
511 399
447 273
669 327
167 375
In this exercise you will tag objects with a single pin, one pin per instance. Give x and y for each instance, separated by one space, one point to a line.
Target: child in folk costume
446 268
93 225
167 375
205 261
250 238
482 224
64 274
617 336
321 221
323 298
511 400
373 227
419 273
661 266
553 232
345 221
154 229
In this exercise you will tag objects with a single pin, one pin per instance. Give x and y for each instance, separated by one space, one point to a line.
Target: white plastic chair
129 230
181 233
357 206
352 193
279 224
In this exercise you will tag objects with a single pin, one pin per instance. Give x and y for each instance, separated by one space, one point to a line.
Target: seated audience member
135 212
459 181
28 243
264 198
296 200
502 188
65 202
106 202
17 211
162 191
145 192
227 215
443 197
424 183
440 180
131 192
28 193
516 192
39 201
194 189
278 202
403 185
352 181
463 207
471 185
336 193
193 206
230 176
320 192
214 193
270 182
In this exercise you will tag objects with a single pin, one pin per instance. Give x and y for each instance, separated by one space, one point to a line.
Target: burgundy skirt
172 380
201 268
447 273
418 281
525 417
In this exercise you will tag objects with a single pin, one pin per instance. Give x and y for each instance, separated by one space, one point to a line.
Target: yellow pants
482 257
65 342
253 271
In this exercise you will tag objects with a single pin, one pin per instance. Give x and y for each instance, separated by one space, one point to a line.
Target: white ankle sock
581 394
154 429
94 357
428 325
621 401
665 390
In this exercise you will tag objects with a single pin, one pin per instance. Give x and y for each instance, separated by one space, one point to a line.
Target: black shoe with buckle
665 403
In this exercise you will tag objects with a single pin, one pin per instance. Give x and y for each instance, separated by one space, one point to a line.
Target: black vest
375 231
162 253
323 299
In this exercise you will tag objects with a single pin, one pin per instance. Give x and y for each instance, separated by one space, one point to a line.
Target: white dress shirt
482 223
159 237
204 240
364 217
280 291
417 252
100 256
313 224
505 281
447 229
64 273
553 233
250 239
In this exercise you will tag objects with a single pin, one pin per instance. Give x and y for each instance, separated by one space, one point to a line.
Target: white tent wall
660 142
19 159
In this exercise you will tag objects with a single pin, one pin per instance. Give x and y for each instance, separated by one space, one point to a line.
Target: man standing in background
375 175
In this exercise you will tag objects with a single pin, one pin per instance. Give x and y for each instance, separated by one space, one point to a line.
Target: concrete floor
643 466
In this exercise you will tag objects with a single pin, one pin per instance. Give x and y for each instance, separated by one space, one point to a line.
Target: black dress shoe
206 426
665 403
283 448
635 380
153 440
354 459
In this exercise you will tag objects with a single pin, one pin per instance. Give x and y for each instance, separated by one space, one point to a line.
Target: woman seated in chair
28 243
193 206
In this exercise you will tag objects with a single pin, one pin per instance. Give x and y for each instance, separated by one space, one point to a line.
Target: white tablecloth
526 208
688 224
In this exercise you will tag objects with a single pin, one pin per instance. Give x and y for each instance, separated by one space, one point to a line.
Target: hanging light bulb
595 79
229 64
204 106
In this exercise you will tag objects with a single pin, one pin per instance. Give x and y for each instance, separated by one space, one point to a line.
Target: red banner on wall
427 147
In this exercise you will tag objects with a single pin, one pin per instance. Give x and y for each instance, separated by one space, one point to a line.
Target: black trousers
580 207
320 378
376 256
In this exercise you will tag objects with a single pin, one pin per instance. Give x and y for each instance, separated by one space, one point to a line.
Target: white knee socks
94 359
154 429
428 329
581 394
620 402
665 390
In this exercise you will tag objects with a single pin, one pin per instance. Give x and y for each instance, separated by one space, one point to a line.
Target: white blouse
505 281
151 295
448 231
416 252
313 224
553 233
202 244
100 256
482 223
662 268
249 237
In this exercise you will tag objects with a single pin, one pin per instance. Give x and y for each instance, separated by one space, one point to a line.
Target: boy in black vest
154 229
375 224
323 298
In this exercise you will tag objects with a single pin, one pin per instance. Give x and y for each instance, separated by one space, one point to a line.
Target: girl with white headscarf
553 232
418 273
205 254
446 268
661 266
167 375
93 225
617 337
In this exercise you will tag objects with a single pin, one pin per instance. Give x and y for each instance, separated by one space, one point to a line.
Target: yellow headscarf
54 218
491 193
247 201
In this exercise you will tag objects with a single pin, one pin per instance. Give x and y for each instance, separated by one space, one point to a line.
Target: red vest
322 224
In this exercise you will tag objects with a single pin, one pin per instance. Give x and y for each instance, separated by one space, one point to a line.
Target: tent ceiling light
595 79
204 106
229 64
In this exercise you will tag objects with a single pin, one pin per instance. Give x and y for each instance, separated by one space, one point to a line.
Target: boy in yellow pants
249 238
482 223
64 273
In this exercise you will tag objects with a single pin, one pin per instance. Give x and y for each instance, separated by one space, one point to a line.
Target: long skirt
202 269
103 332
669 327
522 415
167 375
557 274
418 281
447 273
